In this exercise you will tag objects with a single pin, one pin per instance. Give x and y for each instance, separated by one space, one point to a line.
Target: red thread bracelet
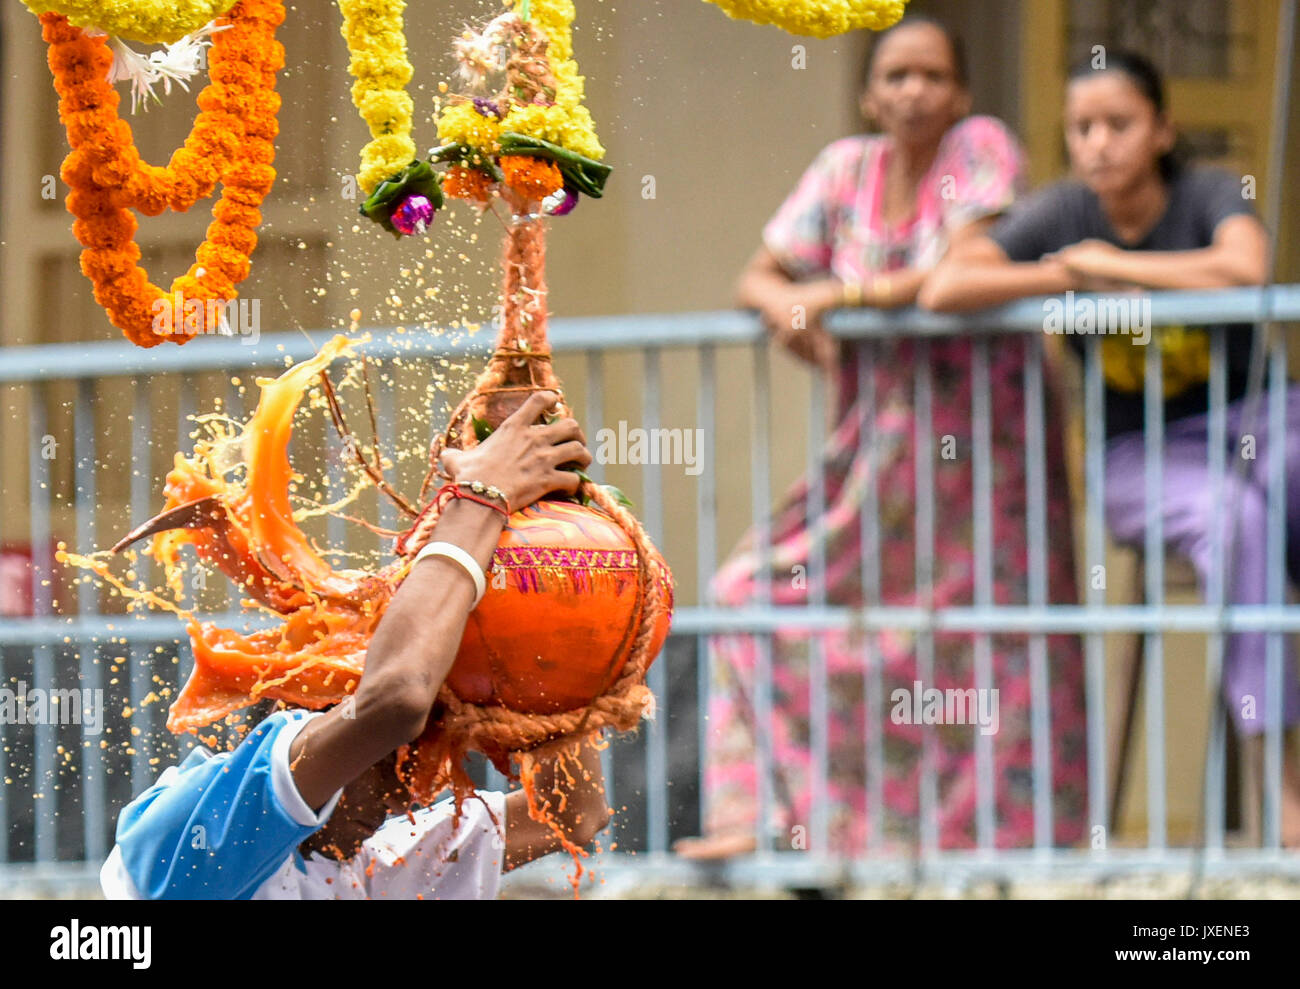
449 491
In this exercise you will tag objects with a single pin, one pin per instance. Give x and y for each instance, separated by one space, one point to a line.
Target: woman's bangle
470 565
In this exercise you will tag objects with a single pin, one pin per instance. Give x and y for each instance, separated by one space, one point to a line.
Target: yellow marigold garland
374 33
818 18
231 142
150 21
567 123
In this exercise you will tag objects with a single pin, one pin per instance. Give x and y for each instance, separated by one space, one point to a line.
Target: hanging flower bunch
520 124
377 44
818 18
231 143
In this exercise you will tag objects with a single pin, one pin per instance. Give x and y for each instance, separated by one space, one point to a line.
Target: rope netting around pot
556 555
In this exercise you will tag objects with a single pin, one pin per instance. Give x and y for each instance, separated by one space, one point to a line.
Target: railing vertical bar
982 471
138 655
706 549
45 737
388 441
929 801
1036 544
1094 419
1216 748
186 403
870 562
819 705
1277 395
336 528
656 680
91 757
6 756
1154 550
593 421
761 493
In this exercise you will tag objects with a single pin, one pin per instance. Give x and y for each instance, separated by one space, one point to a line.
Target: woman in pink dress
868 220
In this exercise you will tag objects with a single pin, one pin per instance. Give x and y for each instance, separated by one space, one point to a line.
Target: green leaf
481 428
417 178
584 174
619 496
613 492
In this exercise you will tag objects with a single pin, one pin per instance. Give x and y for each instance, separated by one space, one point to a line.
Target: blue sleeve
218 827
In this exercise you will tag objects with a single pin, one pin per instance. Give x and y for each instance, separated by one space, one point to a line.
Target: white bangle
467 562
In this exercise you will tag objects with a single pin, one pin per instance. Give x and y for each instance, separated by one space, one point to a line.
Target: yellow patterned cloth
1184 357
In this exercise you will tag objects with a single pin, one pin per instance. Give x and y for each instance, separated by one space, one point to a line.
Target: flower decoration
232 142
374 33
175 63
520 124
818 18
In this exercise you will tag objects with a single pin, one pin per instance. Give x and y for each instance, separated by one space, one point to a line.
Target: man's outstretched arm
417 640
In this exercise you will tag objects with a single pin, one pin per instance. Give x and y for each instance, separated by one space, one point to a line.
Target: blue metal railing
81 638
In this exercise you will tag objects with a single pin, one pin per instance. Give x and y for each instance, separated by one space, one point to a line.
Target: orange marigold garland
231 142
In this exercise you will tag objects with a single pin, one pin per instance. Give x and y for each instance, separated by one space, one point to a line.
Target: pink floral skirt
887 458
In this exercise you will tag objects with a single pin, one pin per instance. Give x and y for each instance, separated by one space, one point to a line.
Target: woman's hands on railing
793 316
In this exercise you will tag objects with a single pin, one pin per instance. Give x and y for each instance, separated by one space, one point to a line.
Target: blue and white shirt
228 825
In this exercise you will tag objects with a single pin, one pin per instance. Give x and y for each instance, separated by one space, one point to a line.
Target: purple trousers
1190 513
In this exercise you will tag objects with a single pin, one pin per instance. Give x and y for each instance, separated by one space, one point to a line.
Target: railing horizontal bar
1240 305
108 358
1011 620
807 870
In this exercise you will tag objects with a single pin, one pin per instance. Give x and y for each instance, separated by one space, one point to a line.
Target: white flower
482 52
177 63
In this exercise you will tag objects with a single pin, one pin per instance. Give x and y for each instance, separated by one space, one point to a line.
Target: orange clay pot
561 610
